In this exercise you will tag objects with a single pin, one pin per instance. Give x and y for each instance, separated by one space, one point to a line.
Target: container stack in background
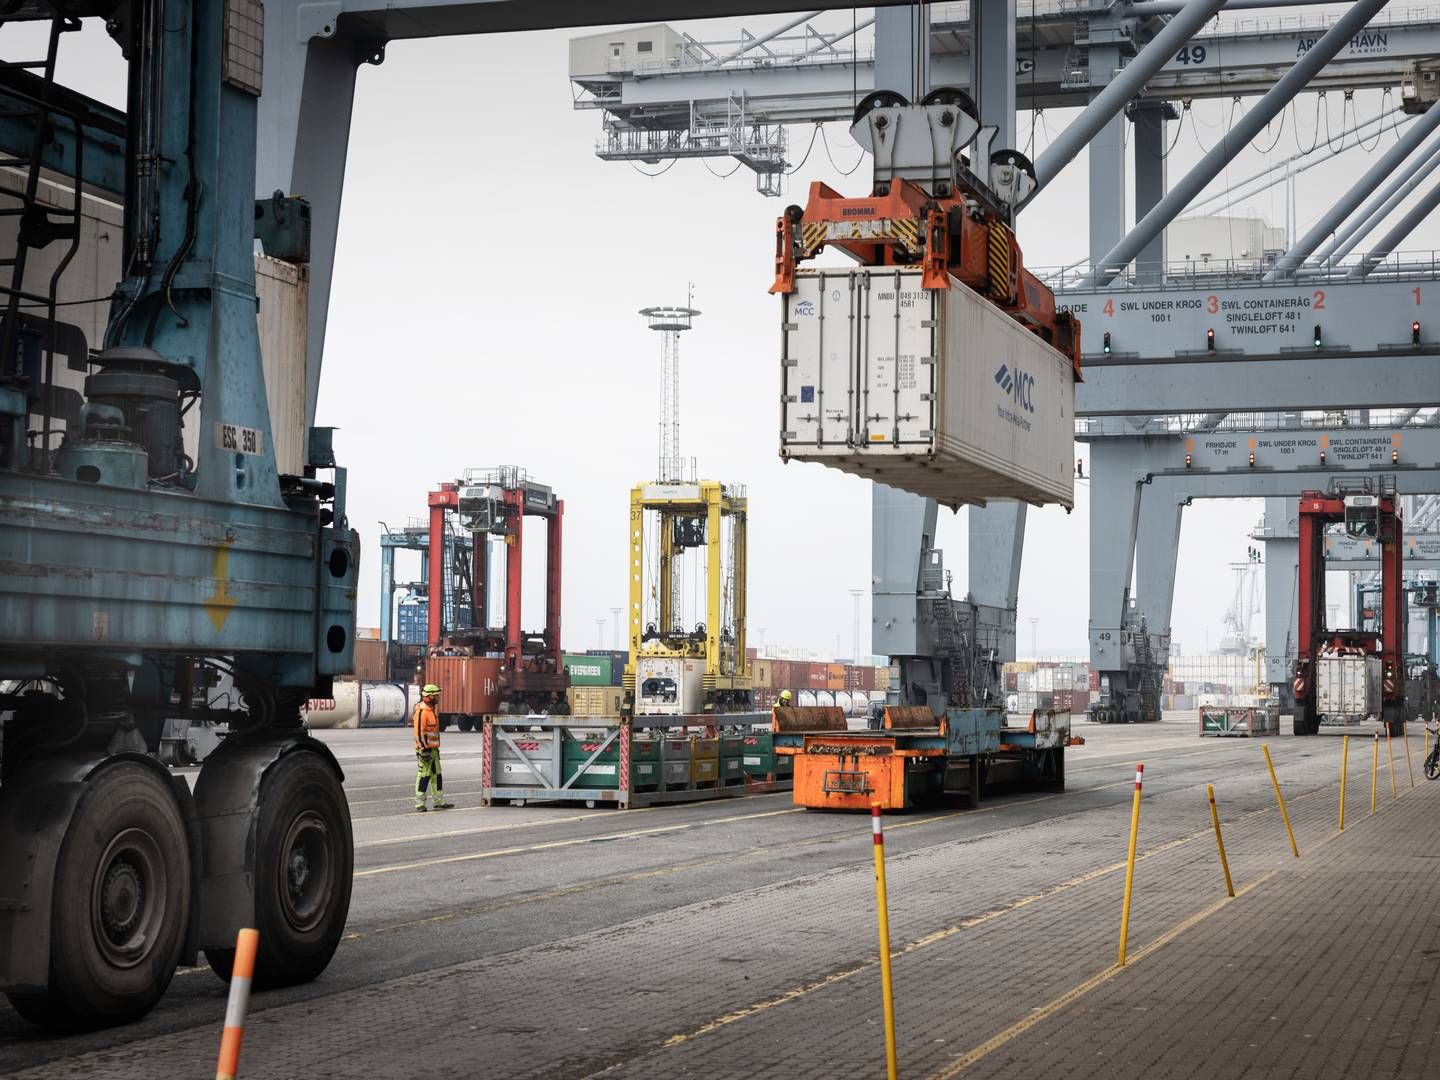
596 678
1045 685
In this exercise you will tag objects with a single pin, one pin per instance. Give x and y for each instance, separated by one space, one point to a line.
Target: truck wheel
304 858
122 902
1303 723
463 723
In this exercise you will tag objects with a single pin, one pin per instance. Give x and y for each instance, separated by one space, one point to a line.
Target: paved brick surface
782 980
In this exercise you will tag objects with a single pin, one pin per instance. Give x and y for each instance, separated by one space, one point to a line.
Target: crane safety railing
1207 424
1239 273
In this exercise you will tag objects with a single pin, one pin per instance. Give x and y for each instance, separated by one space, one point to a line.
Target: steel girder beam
1253 384
1349 201
996 531
822 88
1281 537
312 51
395 20
102 132
1422 552
1220 461
1378 209
1121 84
1115 489
1261 113
1150 159
1157 545
1402 228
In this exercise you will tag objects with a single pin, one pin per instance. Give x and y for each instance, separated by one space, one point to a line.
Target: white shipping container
933 391
1347 688
669 686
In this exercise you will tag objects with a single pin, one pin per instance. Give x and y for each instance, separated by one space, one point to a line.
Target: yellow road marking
1076 992
795 993
931 938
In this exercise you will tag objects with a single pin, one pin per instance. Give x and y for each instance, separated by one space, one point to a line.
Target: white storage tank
844 702
355 704
934 391
805 699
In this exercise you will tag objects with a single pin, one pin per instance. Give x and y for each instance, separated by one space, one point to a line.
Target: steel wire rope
1329 145
1179 129
659 172
1278 134
843 172
803 160
1316 141
722 176
1380 129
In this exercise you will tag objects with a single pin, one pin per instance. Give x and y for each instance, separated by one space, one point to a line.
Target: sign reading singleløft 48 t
1359 315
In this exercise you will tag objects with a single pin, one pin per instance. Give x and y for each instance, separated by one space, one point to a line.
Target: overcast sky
483 312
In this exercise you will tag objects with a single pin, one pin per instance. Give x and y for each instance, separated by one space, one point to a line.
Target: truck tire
1305 723
304 859
121 904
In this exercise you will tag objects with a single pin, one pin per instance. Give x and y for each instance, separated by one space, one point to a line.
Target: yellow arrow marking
219 605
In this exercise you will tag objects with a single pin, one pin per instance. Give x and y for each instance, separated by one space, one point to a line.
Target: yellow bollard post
1215 819
1390 756
1281 800
887 989
1374 766
1130 864
1344 762
1409 765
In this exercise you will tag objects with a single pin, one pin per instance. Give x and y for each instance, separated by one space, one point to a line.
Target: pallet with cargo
628 762
1236 721
915 757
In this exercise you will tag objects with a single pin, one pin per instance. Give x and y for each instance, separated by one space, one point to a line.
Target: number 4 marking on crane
1109 307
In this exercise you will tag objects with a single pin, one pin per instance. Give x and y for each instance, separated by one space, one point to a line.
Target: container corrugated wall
937 392
284 293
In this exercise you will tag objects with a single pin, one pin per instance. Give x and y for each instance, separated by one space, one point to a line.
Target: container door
817 362
897 369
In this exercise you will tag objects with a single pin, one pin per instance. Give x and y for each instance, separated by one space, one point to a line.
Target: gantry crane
492 505
1341 658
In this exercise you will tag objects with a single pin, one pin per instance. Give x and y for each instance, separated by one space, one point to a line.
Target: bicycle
1432 759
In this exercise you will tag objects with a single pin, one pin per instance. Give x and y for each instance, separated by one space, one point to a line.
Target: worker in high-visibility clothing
785 698
425 722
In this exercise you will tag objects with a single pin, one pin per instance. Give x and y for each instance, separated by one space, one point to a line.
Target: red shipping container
752 654
469 685
1012 681
817 677
1094 680
782 677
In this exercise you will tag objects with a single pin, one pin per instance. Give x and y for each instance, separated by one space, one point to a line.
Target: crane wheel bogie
121 903
304 860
